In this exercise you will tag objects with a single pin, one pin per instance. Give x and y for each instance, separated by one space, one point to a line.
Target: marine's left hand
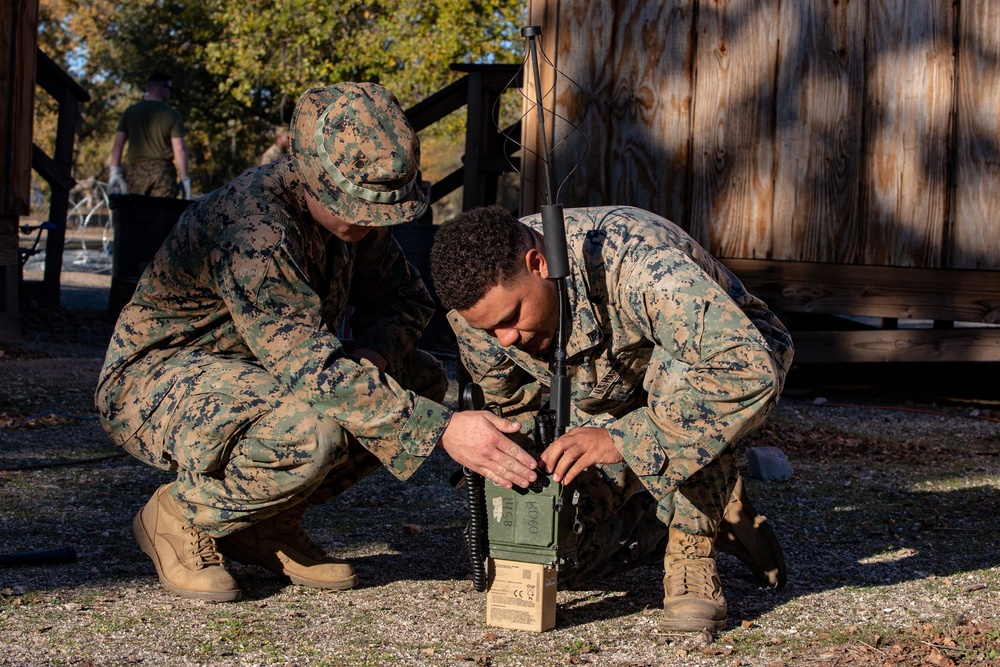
577 450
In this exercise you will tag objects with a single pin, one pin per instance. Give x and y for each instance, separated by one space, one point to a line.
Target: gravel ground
888 525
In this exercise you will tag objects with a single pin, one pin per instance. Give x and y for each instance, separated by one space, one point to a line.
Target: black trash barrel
141 224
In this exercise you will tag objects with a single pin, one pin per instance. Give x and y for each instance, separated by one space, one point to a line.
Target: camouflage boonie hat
357 154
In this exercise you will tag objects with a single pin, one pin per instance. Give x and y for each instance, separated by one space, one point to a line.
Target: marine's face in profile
524 314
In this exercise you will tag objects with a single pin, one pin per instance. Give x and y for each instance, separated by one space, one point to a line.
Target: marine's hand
116 182
476 440
577 450
186 187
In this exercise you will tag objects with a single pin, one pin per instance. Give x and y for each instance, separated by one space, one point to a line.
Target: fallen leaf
936 657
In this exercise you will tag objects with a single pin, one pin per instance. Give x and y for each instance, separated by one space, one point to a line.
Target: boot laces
202 547
691 571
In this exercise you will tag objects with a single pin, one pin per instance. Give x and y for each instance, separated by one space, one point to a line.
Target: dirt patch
888 526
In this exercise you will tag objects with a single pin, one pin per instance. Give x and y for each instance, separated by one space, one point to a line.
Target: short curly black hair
474 252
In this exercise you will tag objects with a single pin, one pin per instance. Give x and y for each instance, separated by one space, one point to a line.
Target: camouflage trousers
153 178
624 525
244 450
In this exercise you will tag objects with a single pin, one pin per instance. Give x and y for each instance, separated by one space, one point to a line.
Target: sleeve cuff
418 437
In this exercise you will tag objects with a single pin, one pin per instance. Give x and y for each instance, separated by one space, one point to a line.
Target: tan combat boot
692 600
186 558
280 545
750 537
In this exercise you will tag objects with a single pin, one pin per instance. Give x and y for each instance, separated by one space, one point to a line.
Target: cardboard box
521 596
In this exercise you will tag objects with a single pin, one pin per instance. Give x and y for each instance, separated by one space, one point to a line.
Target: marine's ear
534 262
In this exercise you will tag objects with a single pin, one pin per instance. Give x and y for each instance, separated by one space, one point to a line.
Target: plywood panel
907 123
819 99
733 132
645 152
828 131
582 87
623 96
974 240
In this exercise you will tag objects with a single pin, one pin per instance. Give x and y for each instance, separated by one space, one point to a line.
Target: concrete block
768 463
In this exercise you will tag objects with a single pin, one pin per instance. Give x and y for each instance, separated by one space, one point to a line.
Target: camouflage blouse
246 274
667 350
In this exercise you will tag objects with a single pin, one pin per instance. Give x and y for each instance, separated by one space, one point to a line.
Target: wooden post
485 158
18 39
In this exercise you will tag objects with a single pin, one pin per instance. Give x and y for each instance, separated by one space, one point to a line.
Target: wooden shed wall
831 131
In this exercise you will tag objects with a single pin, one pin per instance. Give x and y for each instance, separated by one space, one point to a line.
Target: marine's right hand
116 182
476 440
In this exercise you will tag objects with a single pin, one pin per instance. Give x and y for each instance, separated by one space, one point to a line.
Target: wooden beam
53 172
897 345
57 82
873 291
440 104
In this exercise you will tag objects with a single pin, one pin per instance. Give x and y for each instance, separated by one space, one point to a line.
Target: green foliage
240 65
278 49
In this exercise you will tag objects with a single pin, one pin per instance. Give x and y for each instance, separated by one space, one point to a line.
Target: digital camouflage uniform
225 369
670 354
152 178
150 125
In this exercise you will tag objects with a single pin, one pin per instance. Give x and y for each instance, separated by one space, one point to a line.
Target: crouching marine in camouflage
225 368
670 362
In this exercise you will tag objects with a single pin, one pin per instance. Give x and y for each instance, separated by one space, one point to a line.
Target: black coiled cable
475 531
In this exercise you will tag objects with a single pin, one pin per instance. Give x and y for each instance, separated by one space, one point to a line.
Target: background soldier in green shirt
155 135
225 369
670 362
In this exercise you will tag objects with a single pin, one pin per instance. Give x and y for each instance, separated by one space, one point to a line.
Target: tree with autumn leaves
240 65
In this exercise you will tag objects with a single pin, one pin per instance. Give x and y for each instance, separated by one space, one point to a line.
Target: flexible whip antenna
556 255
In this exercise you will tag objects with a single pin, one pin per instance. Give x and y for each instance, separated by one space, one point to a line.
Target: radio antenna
556 255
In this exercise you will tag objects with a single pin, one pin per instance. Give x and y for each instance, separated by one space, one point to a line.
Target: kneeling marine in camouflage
670 363
226 369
